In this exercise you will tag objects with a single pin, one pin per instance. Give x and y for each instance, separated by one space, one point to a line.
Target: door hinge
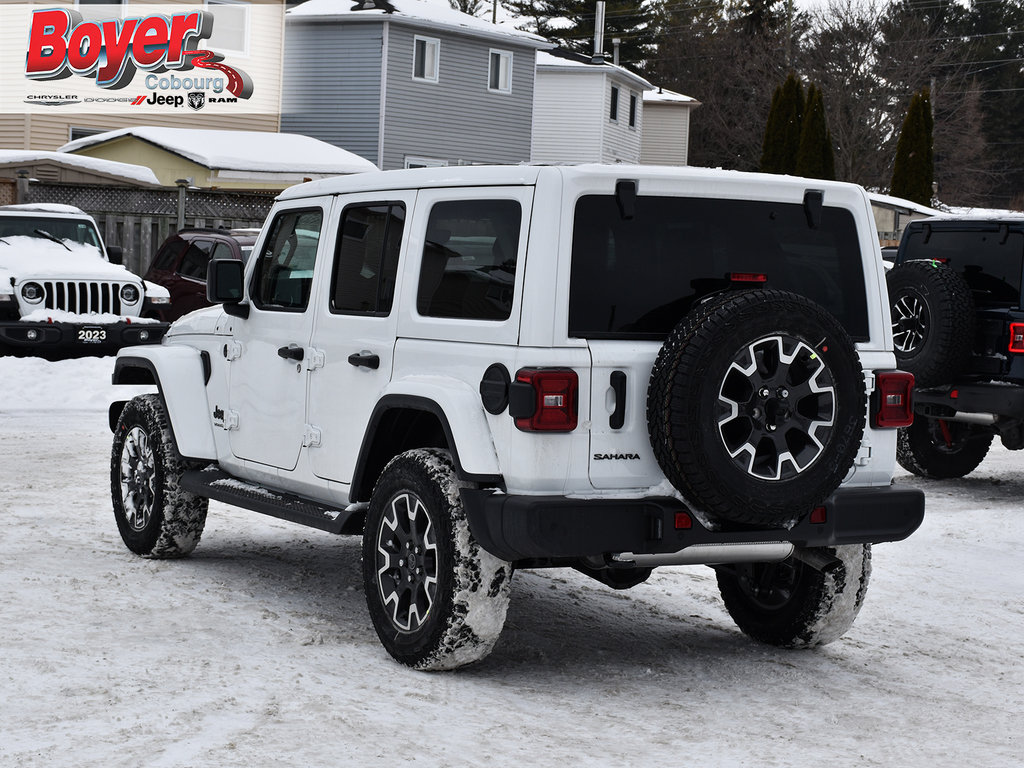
869 382
232 350
311 437
230 420
315 358
863 455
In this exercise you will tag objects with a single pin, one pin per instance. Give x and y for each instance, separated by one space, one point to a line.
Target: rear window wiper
48 236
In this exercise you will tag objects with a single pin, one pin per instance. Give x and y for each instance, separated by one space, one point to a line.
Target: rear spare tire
932 320
756 407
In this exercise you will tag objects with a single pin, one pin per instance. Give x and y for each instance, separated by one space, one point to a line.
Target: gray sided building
404 89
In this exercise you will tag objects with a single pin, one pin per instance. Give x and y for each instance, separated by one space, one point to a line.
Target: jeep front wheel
155 516
436 598
793 605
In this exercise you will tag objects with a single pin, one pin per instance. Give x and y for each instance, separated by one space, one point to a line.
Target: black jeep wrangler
958 326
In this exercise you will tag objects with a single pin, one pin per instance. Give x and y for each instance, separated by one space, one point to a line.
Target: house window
230 26
613 111
426 52
500 75
424 162
632 110
76 132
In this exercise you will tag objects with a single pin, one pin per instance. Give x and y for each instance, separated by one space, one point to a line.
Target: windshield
74 230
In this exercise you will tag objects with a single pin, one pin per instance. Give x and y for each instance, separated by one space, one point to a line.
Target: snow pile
34 385
95 318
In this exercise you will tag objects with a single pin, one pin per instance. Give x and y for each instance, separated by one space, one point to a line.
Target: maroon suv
180 264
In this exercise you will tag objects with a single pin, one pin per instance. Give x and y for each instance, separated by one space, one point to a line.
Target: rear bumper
999 399
62 340
555 527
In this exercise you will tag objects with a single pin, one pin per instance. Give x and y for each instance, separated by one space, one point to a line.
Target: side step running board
220 486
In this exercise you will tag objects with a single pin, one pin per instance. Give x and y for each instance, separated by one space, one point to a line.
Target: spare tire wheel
932 320
756 407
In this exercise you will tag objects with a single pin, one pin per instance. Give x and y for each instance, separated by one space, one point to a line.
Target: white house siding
666 135
621 143
568 121
332 83
455 120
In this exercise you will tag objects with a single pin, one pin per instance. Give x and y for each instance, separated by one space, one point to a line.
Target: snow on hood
25 257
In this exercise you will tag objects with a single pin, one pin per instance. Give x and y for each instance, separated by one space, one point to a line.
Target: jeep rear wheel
155 516
932 320
793 605
756 407
436 598
942 449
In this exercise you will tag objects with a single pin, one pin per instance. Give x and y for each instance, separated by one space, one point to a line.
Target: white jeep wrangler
609 368
63 293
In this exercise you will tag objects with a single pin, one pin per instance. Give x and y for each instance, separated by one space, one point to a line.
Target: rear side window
196 259
168 256
284 273
990 261
469 259
367 260
638 278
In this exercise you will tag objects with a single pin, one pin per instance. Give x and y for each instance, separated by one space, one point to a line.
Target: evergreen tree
913 170
815 158
472 7
782 134
634 22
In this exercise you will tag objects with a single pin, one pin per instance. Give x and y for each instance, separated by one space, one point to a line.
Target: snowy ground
258 650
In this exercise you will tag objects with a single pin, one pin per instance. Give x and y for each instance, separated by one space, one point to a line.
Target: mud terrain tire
156 517
756 407
436 598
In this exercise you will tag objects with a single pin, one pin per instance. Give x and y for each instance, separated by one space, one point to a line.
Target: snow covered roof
127 171
567 60
240 150
888 201
983 213
436 14
665 96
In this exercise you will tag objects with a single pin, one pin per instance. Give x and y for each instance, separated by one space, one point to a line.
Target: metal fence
139 220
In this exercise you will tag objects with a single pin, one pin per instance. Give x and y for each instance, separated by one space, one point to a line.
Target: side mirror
224 285
115 254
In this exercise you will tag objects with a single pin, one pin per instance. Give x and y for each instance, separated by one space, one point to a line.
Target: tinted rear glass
989 261
637 278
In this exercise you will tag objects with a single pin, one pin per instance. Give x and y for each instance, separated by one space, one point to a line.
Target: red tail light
893 400
748 277
1017 338
545 399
